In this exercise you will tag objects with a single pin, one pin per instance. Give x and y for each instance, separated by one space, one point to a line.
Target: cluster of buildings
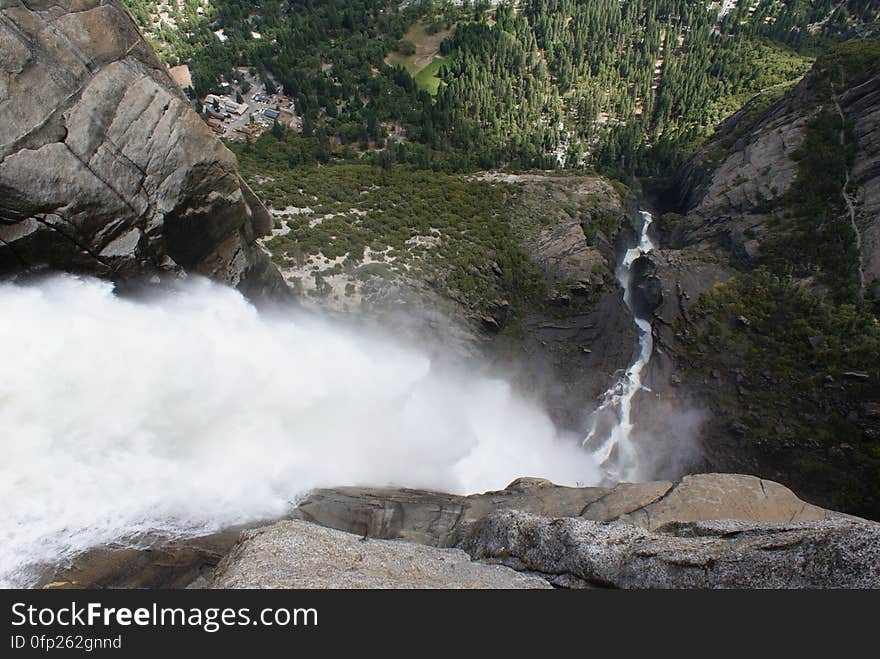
249 118
225 104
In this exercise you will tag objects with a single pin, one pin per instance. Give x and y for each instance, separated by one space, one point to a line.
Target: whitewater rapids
615 451
192 412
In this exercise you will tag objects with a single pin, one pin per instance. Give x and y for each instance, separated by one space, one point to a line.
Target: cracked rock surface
440 519
296 554
105 169
831 553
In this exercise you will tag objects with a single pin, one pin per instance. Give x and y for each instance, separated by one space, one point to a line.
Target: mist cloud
192 412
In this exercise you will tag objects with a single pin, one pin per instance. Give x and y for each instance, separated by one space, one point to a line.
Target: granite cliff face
105 169
861 105
752 353
727 189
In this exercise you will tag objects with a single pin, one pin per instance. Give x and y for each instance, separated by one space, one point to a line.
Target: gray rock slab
297 554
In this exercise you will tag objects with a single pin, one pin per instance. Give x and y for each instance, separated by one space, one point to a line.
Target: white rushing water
611 425
193 412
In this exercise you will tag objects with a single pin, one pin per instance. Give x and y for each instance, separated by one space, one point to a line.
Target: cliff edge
105 169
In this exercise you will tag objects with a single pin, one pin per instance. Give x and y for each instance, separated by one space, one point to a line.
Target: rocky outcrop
729 187
105 168
573 345
296 554
708 530
440 519
749 164
834 553
574 222
705 531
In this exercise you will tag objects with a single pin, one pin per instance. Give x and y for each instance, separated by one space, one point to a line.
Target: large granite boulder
105 168
296 554
175 563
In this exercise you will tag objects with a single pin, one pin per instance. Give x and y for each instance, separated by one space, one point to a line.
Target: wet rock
740 430
174 564
647 288
541 355
490 324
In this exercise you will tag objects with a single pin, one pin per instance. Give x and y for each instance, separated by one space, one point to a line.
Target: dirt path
848 199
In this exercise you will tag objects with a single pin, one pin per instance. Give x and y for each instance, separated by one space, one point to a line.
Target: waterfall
611 424
125 420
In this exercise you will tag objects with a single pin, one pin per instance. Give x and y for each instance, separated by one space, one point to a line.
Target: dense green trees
625 86
786 377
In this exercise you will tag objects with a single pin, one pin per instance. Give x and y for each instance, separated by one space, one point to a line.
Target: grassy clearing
424 62
427 78
406 61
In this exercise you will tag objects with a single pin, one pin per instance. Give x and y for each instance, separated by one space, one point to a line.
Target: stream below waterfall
611 424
